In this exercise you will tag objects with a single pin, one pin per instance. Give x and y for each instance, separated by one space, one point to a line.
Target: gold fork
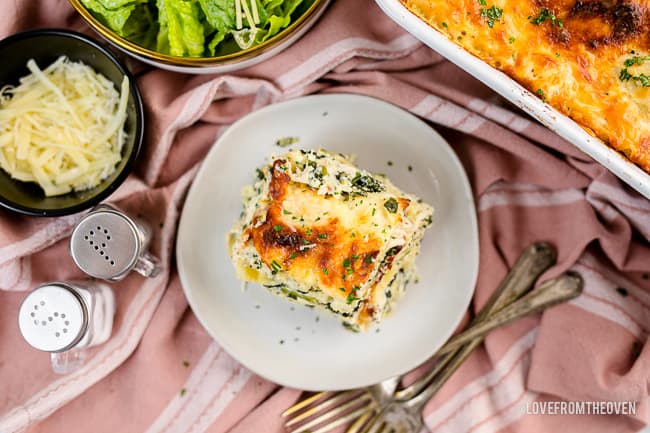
327 410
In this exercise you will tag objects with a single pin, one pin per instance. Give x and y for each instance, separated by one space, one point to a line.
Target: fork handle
551 293
532 263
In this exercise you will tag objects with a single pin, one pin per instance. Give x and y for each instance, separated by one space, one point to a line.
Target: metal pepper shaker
65 318
108 244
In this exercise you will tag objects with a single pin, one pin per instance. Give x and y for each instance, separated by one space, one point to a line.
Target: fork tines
325 411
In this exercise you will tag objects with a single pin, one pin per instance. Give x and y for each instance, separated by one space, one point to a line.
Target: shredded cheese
62 127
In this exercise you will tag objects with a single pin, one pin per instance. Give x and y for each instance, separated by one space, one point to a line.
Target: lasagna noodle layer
588 59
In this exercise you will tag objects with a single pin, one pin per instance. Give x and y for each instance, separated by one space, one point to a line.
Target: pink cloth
161 372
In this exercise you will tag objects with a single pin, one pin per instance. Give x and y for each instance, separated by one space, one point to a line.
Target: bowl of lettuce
201 36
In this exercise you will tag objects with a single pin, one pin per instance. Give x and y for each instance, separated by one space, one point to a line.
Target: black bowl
45 46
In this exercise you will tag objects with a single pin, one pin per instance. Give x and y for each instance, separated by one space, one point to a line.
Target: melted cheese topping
588 59
62 127
318 230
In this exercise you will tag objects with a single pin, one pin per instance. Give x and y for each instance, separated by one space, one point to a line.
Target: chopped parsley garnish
286 141
367 183
351 297
545 14
350 271
511 39
636 60
373 211
260 174
391 251
277 228
641 79
286 212
293 255
391 205
342 289
308 232
445 25
356 256
275 267
322 235
346 263
541 94
557 55
368 259
325 271
491 14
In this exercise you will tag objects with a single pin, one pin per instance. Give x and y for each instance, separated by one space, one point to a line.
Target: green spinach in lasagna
319 231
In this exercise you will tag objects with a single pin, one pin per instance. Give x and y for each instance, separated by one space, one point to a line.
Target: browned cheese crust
588 59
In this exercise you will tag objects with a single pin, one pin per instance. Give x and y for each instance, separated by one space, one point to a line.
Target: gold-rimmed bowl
228 61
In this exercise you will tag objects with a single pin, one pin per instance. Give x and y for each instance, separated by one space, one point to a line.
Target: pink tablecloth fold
162 373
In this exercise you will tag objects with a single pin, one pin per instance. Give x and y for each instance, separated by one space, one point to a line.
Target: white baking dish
518 95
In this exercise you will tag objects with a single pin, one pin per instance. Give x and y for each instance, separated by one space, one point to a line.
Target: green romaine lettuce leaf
115 19
130 19
215 41
219 13
189 28
279 17
141 27
181 25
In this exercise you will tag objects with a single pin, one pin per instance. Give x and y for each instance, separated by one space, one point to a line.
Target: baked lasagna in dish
319 231
590 59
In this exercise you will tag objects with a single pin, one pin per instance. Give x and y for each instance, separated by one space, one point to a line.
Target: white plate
294 345
618 164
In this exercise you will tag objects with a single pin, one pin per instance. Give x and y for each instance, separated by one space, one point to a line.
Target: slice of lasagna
321 232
